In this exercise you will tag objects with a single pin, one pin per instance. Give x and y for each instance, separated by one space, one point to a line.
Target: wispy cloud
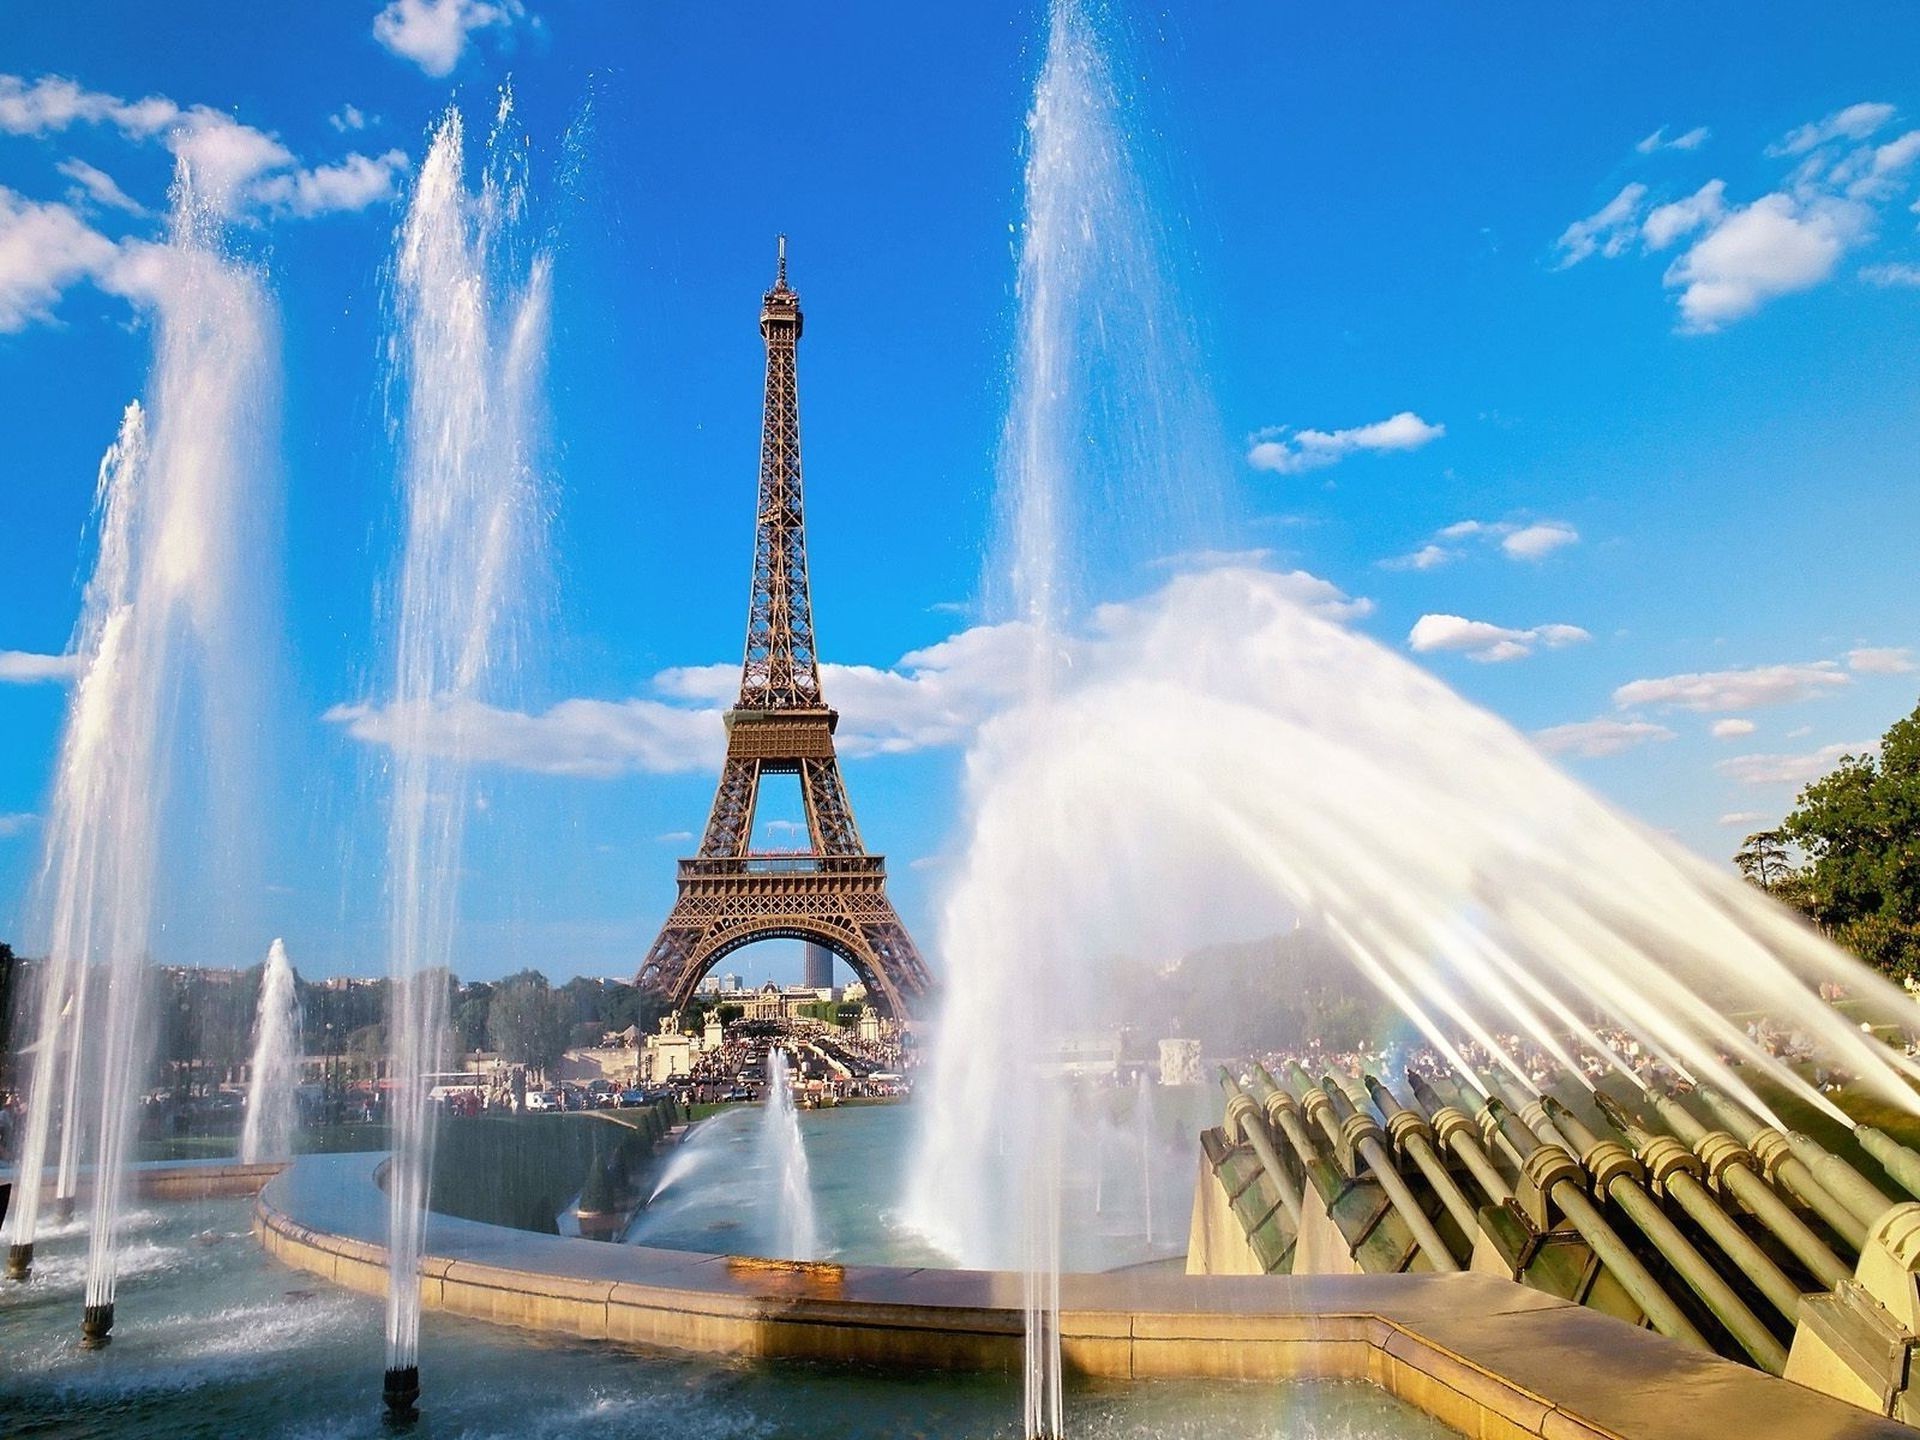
1880 660
930 698
1789 769
1741 255
17 823
239 168
1485 642
1687 140
24 667
1286 451
1732 729
1748 689
93 185
1593 739
1516 539
1743 817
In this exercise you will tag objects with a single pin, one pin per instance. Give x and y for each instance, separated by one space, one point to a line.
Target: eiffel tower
834 893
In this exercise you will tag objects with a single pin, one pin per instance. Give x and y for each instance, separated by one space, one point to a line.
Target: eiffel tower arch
834 893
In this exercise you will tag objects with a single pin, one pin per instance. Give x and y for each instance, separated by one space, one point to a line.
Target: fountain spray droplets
785 1154
468 353
273 1112
176 619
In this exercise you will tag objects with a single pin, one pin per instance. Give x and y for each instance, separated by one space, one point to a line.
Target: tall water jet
796 1230
273 1098
174 626
1100 391
468 351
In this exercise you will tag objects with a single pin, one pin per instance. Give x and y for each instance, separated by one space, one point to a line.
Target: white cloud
347 118
1773 247
1288 452
1856 122
236 167
1485 642
1880 660
1518 540
24 667
1740 256
1788 769
1743 817
932 697
94 184
353 184
1592 739
1609 231
433 34
53 103
1427 557
1732 729
1537 541
1891 275
1734 689
17 823
1667 223
1690 140
592 738
44 248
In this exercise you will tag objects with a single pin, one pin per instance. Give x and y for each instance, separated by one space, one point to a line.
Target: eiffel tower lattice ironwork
834 893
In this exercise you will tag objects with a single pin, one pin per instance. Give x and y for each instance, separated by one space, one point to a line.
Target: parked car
542 1100
628 1099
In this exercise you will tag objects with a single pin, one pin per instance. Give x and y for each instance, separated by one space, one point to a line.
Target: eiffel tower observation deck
833 893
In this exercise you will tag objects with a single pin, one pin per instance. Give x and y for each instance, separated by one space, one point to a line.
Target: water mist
273 1099
468 352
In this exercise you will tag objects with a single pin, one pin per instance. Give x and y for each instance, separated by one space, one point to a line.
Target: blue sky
1583 351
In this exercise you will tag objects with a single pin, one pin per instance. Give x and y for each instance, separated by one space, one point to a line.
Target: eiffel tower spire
780 672
834 893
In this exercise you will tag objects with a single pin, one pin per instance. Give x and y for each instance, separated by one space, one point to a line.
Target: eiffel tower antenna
834 893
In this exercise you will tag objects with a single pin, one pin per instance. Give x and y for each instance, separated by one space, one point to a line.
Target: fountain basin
1476 1352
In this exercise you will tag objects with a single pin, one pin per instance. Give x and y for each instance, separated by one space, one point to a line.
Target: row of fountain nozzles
1554 1156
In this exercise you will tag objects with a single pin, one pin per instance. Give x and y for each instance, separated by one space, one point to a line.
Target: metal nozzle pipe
1774 1151
1319 1109
1365 1137
1282 1109
1556 1172
1855 1191
1243 1114
1456 1133
1731 1165
1675 1171
1896 1159
1415 1138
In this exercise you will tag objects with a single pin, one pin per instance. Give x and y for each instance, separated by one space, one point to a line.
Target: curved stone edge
1489 1358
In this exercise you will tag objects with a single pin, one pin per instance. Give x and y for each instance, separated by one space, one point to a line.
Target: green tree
1765 858
1859 828
527 1021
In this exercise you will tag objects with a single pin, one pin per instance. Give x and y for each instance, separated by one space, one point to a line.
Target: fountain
468 353
170 634
273 1112
785 1157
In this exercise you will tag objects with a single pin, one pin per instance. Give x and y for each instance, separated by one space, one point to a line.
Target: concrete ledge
175 1179
1488 1357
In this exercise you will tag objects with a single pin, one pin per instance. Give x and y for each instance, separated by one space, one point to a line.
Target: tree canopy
1857 831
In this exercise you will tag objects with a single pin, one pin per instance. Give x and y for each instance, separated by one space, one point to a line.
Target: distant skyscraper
817 970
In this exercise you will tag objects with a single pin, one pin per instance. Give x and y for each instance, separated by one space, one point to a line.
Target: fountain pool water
234 1344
